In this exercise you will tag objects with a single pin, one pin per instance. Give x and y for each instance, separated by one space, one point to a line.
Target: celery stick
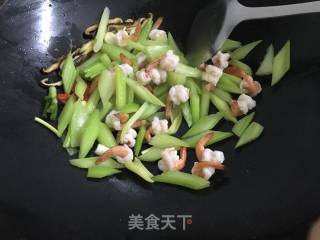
146 28
105 136
250 134
223 107
242 66
138 168
106 86
69 73
225 83
106 61
139 140
243 51
130 95
93 59
161 89
242 124
234 79
154 52
188 71
230 45
101 32
93 100
104 110
152 109
130 108
121 88
101 172
114 52
186 111
175 78
204 103
265 67
225 96
80 88
175 124
173 46
66 115
281 63
182 179
91 162
166 141
151 154
93 70
195 107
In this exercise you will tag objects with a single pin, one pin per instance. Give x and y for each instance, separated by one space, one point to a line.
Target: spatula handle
279 11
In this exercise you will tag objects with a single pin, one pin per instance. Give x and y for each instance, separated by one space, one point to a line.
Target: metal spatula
214 24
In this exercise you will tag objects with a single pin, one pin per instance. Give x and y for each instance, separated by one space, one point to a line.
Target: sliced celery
139 140
242 124
152 109
69 73
146 28
281 63
80 88
105 60
203 124
105 136
130 95
188 71
151 154
182 179
175 124
243 51
66 115
130 108
175 78
173 46
155 52
242 66
230 45
195 107
138 168
223 107
102 28
166 141
225 83
186 111
115 51
161 89
91 162
93 100
93 59
121 88
265 67
106 86
234 79
93 70
204 103
250 134
225 96
101 172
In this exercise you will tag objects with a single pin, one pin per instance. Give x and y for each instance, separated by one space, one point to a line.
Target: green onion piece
101 32
138 168
120 80
101 172
80 88
265 67
176 79
182 179
93 70
91 162
230 45
225 96
161 89
105 136
145 31
166 141
218 137
188 71
114 52
133 119
242 66
143 93
281 63
47 125
66 115
250 134
105 110
151 154
225 83
242 124
243 51
155 52
151 110
176 123
106 61
186 111
223 107
106 86
89 133
139 140
95 58
130 108
204 103
69 73
203 124
93 100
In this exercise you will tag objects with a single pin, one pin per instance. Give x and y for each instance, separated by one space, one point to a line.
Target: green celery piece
105 136
66 141
225 96
51 104
173 46
152 109
69 73
105 60
93 100
265 67
114 52
194 87
250 134
176 79
48 126
228 85
95 58
223 107
143 93
204 103
230 45
149 43
182 179
161 89
79 117
218 137
186 111
139 140
188 71
133 119
66 115
130 108
145 31
281 63
160 115
195 107
203 124
105 109
151 154
242 66
93 70
138 168
101 172
121 88
166 141
242 124
155 52
243 51
102 28
130 95
175 124
80 87
135 45
89 133
106 86
91 162
234 79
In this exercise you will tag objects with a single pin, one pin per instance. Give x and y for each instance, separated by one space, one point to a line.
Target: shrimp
183 159
252 87
120 151
201 144
235 109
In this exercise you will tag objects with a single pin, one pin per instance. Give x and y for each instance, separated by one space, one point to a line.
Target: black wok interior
271 187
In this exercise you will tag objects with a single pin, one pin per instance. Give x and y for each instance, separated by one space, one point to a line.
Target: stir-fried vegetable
265 67
243 51
281 63
250 134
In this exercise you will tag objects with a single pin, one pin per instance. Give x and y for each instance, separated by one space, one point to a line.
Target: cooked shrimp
183 159
201 145
120 151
